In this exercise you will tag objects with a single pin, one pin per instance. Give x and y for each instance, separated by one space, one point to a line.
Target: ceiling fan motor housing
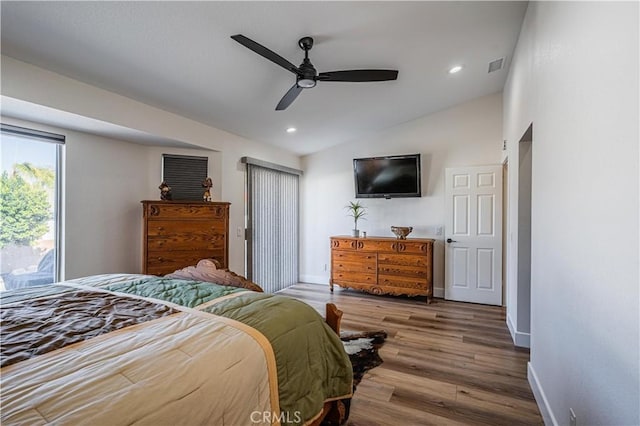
307 75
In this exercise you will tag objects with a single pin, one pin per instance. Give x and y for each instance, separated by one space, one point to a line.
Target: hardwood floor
445 363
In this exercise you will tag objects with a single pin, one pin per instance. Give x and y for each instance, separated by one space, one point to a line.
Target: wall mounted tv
394 176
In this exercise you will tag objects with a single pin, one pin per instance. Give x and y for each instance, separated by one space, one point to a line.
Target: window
29 207
185 174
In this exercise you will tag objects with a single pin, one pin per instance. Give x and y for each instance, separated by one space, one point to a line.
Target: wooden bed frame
333 412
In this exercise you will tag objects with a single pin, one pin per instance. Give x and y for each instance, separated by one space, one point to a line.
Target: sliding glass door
272 231
29 213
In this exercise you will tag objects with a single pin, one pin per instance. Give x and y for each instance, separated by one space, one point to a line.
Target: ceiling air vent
495 65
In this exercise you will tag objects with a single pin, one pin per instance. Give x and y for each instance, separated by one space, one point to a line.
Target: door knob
449 240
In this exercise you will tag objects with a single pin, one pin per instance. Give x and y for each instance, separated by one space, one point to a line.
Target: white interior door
473 234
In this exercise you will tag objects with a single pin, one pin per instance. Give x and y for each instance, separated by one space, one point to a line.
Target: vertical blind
272 240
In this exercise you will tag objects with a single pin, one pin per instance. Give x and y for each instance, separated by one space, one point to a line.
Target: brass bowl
401 231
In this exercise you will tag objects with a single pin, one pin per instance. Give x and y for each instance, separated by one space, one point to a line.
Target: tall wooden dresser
178 234
382 265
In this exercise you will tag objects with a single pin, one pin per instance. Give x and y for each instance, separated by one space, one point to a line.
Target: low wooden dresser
178 234
383 265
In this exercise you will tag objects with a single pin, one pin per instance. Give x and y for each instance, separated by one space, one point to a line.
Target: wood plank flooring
447 363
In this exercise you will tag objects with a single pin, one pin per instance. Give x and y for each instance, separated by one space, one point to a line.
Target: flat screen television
393 176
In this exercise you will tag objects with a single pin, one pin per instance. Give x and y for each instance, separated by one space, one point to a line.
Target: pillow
208 265
206 270
226 277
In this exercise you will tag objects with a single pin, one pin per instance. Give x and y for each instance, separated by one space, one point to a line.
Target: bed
139 349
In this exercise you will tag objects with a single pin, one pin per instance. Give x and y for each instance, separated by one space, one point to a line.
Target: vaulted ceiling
178 56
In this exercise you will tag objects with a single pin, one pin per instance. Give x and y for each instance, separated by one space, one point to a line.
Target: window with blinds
185 174
272 234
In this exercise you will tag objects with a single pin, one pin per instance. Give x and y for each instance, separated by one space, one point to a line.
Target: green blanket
304 345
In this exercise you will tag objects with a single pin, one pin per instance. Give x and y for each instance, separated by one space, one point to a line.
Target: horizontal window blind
185 174
273 228
32 134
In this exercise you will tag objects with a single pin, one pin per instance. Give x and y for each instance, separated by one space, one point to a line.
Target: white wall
104 181
102 219
41 87
575 77
154 169
523 263
468 134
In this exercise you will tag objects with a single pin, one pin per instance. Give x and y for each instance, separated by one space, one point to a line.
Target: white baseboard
314 279
541 398
438 292
519 338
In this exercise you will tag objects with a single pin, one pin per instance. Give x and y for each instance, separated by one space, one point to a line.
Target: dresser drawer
162 263
189 211
355 257
343 244
407 271
164 228
353 278
376 245
182 241
341 266
404 246
404 282
403 259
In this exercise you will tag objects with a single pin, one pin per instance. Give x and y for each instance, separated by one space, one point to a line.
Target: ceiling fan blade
266 53
358 75
289 97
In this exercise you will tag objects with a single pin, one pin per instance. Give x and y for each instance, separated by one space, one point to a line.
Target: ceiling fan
306 74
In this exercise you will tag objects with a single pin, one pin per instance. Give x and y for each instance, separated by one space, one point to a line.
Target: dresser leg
331 287
429 300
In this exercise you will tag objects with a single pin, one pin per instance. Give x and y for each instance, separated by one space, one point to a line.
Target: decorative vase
355 233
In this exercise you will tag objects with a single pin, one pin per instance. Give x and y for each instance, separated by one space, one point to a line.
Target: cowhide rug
362 348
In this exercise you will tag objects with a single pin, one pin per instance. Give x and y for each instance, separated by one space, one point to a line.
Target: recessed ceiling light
291 130
455 69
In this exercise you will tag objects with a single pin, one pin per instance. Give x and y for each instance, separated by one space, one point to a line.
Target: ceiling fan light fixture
306 83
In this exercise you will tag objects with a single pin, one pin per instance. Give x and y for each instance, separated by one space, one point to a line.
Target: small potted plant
356 211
